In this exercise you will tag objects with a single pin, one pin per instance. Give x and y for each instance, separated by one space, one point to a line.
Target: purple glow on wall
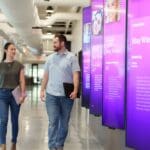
86 54
96 57
114 63
138 87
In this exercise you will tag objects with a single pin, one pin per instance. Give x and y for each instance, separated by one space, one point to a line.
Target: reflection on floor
85 131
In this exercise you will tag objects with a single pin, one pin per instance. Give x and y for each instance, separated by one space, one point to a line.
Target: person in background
11 75
61 66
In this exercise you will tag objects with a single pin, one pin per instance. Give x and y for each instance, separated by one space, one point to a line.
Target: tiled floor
34 124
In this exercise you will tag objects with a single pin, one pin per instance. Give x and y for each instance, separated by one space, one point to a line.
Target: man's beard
56 49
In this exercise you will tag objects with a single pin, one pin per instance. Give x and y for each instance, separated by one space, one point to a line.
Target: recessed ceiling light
48 17
49 9
49 33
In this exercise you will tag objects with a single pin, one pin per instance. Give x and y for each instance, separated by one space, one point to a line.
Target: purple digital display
86 54
138 79
96 57
114 63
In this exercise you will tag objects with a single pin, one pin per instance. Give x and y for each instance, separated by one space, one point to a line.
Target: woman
11 75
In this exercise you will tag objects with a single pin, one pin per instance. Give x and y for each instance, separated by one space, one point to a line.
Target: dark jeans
6 101
58 110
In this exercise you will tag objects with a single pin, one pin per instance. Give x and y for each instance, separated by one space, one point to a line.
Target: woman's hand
22 98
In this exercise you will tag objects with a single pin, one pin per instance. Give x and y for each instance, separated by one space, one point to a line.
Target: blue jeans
6 101
58 110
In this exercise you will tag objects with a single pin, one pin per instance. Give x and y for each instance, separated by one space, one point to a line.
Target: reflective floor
86 132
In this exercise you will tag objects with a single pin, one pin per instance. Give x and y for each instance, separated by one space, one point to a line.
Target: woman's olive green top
10 74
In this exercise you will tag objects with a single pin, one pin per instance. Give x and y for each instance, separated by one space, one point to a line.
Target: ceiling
26 22
59 26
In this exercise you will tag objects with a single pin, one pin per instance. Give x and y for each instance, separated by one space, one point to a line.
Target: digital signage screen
86 54
96 57
114 63
138 75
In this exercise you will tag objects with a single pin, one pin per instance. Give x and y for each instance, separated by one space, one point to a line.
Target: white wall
77 36
47 45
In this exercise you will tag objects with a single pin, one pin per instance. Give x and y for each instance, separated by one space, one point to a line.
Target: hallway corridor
34 124
86 131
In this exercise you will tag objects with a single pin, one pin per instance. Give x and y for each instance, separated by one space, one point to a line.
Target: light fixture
49 9
49 33
48 36
48 17
49 26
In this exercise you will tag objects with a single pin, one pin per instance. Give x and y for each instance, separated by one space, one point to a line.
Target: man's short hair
62 38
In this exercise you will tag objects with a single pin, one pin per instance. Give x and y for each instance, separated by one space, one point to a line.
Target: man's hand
73 95
43 86
42 96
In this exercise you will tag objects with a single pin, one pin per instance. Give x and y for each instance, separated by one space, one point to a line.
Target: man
61 66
